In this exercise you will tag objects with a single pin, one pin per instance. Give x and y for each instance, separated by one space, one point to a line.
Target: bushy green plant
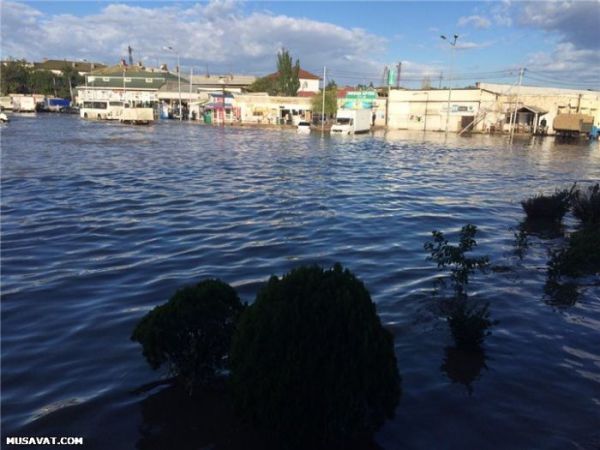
469 324
453 256
311 362
548 207
191 333
586 205
581 256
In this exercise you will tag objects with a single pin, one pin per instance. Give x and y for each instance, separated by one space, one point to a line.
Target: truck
573 125
351 121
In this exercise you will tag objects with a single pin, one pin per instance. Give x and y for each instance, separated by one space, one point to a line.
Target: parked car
303 127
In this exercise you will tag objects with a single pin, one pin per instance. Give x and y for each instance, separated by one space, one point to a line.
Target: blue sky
557 41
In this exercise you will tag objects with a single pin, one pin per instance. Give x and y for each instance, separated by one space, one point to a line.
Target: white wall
308 85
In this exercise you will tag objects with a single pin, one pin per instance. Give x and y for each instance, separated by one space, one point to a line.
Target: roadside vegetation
17 77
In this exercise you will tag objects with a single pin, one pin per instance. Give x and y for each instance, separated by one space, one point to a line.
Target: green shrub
586 205
191 333
548 207
469 324
581 256
453 256
311 361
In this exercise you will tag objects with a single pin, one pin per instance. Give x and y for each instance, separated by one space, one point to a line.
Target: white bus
101 110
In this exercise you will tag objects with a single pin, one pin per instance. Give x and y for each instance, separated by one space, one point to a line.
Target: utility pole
190 99
399 70
387 100
453 44
514 121
323 110
441 78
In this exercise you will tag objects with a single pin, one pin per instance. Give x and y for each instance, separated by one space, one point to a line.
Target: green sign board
360 99
361 95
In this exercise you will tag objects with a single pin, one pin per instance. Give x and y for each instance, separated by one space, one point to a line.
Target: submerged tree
469 323
453 256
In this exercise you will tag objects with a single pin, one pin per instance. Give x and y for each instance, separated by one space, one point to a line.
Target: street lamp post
178 79
453 44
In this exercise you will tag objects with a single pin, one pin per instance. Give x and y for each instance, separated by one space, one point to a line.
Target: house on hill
56 66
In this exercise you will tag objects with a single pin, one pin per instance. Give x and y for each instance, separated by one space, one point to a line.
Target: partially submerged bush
581 256
311 361
469 324
586 205
548 207
453 256
191 333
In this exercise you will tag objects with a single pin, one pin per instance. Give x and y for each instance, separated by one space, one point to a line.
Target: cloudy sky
558 42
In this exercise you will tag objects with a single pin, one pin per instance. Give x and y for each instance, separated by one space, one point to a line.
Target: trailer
573 125
351 121
56 104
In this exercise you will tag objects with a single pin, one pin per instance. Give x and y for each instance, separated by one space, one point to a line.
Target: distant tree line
18 77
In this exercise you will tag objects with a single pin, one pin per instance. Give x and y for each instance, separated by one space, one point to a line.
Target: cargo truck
351 121
573 125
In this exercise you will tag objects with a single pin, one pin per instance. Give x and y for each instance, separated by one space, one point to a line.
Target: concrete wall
427 110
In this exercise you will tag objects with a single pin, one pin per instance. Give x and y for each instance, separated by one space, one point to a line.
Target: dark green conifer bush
191 333
311 362
586 205
548 207
581 256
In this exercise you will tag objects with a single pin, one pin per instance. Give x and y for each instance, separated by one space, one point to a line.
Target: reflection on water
101 222
543 229
464 366
171 419
561 293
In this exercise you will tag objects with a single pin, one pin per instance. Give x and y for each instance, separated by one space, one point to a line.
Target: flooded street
101 222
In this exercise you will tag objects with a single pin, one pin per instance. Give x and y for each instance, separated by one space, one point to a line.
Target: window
148 80
105 79
127 80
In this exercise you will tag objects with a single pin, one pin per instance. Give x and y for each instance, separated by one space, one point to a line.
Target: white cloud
468 45
217 34
475 21
566 64
576 21
501 13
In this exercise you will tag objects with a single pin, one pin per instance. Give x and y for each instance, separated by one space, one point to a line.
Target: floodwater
101 222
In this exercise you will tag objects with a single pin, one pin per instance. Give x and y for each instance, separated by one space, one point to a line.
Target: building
535 103
487 108
132 84
264 109
232 82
